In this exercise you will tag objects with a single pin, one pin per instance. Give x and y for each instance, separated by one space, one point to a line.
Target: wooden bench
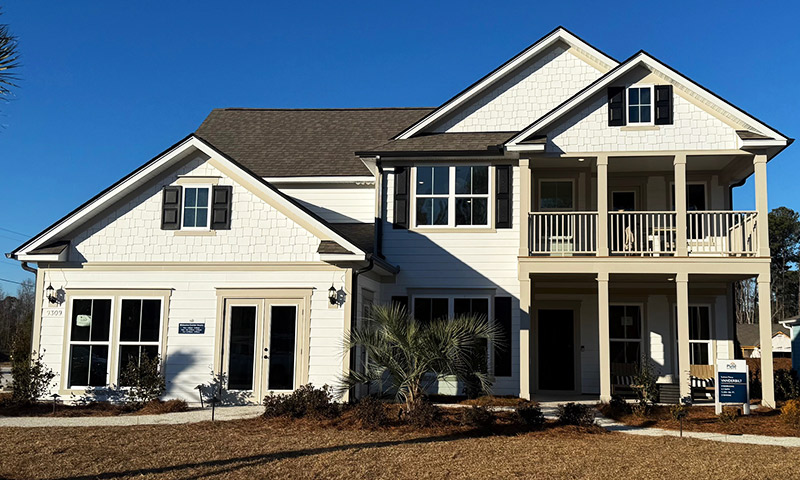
622 378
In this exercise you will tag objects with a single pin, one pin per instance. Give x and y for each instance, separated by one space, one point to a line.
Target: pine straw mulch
761 421
306 448
92 409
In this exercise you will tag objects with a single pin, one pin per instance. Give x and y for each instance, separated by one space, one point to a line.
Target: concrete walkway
716 437
192 416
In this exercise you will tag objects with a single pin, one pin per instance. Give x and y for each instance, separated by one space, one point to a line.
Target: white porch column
765 338
604 338
602 205
682 291
525 338
679 162
525 205
760 168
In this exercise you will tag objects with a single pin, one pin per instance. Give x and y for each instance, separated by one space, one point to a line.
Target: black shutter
171 208
401 301
616 106
401 197
221 207
503 196
502 354
663 105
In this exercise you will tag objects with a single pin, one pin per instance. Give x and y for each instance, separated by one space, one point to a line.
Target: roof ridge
346 109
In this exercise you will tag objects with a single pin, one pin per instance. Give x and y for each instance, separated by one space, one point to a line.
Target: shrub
143 379
530 415
787 385
306 401
728 415
642 409
575 414
477 416
678 411
370 412
424 414
646 379
31 378
618 407
790 413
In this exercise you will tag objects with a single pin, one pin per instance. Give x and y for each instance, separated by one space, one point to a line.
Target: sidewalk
192 416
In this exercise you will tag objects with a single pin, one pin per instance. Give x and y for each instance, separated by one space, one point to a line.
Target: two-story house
583 203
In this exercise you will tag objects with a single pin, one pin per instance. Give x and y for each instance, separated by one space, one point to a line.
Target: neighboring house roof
51 238
490 143
749 337
642 58
303 142
558 34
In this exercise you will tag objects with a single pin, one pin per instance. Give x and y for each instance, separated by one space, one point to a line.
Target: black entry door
556 350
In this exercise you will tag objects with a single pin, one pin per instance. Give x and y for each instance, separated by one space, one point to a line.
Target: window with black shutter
171 208
221 207
616 106
503 196
401 197
663 105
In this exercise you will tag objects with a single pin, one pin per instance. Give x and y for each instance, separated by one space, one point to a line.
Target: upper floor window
640 105
452 196
556 195
195 207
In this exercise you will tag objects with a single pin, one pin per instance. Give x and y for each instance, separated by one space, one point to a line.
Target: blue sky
107 85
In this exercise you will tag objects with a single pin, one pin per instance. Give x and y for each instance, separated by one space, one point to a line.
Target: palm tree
410 355
9 59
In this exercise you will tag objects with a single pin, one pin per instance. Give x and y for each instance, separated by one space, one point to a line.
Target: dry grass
303 449
93 409
703 419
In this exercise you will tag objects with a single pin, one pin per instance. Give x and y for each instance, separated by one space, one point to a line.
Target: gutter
354 310
28 268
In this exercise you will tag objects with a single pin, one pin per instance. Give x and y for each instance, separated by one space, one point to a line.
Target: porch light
50 292
332 295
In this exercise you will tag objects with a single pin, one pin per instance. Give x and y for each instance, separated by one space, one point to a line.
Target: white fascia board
106 199
559 34
761 143
641 58
341 257
48 257
539 147
327 179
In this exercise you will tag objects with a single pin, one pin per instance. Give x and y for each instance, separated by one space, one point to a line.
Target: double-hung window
196 207
699 335
452 196
625 332
640 105
139 331
106 333
90 342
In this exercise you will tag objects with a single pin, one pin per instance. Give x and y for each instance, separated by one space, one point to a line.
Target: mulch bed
703 419
93 409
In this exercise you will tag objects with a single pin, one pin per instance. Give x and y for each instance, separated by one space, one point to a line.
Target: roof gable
158 166
505 84
711 102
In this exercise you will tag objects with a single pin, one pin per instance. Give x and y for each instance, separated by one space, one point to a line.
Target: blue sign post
733 385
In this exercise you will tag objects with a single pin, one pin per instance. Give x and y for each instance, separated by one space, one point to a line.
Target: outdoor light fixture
332 295
51 294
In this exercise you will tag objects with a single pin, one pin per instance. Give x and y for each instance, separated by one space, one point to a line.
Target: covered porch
586 333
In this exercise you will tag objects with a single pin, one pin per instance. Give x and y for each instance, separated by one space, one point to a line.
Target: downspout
354 309
379 209
28 268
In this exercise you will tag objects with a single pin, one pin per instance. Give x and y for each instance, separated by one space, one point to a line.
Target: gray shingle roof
361 234
748 335
490 142
303 142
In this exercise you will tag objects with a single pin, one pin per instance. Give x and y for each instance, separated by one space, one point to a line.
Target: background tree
784 245
9 60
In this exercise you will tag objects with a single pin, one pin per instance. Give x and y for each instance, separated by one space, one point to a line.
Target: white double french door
260 345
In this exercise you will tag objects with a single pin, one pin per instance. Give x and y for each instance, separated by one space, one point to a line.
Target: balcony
644 233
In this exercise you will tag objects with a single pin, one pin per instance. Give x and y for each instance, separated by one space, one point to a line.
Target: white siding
458 260
189 359
132 231
587 130
336 203
522 98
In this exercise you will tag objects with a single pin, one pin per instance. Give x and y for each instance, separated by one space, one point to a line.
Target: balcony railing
642 233
563 233
646 233
722 233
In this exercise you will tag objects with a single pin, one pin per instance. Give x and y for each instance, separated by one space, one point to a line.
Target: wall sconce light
50 292
333 295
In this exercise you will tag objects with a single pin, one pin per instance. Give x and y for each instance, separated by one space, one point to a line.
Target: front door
261 345
556 347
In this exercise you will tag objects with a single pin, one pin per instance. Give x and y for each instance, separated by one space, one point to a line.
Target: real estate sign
732 383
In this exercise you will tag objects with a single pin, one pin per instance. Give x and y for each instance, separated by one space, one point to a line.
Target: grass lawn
304 449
